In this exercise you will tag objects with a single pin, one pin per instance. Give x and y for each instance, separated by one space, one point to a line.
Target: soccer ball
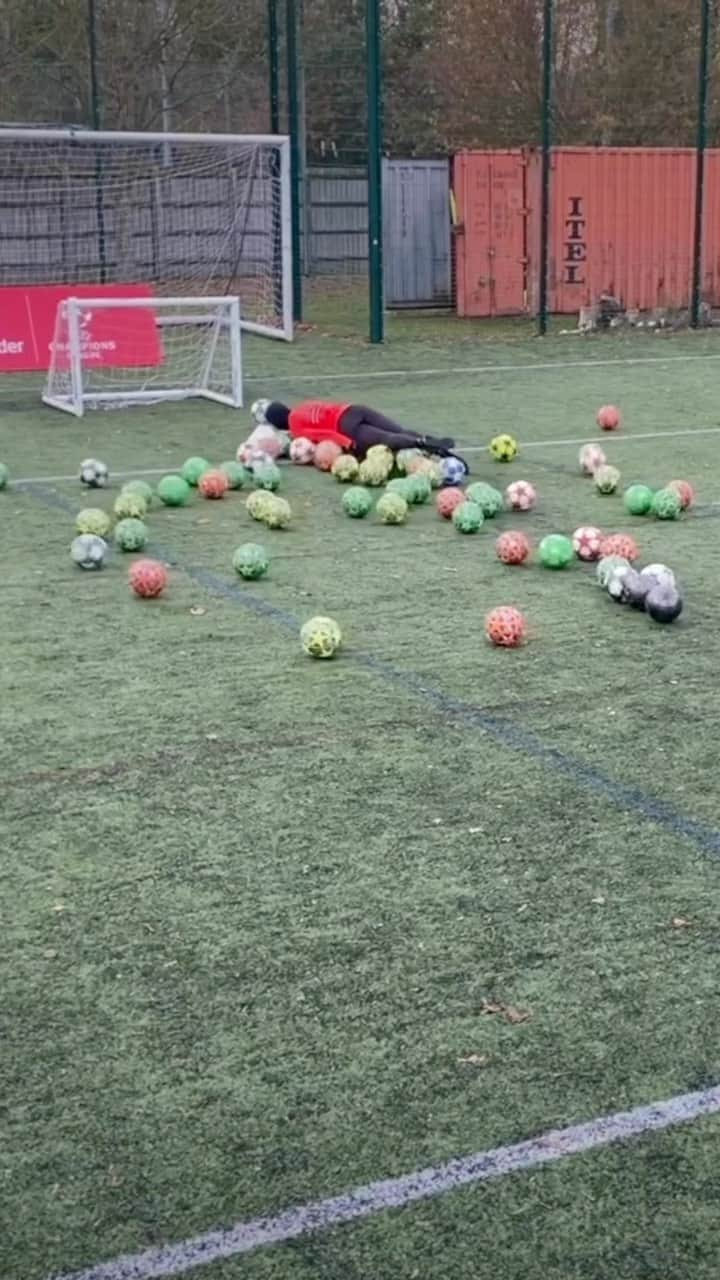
320 637
88 551
607 479
520 496
453 471
608 417
504 448
248 455
620 544
302 451
587 542
94 474
506 627
591 457
258 411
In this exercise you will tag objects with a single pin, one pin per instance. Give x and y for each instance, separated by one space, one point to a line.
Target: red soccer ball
513 547
506 627
620 544
213 484
587 542
326 453
148 578
608 417
520 496
684 491
447 500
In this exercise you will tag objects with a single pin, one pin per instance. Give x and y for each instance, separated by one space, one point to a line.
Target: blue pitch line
631 799
396 1193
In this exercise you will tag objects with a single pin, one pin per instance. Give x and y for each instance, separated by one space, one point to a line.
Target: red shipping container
621 222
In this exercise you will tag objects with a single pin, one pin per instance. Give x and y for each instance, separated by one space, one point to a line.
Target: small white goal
113 352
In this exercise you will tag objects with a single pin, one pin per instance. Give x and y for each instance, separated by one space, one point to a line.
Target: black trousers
367 427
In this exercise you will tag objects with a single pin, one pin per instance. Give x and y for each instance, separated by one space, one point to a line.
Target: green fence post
375 144
273 65
293 37
700 150
547 141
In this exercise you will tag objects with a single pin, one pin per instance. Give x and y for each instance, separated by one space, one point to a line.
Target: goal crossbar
183 212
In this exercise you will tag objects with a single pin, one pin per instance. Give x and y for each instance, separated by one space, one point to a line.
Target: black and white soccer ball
259 410
88 551
94 474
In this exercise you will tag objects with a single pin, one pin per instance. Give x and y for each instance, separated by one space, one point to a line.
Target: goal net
187 214
115 352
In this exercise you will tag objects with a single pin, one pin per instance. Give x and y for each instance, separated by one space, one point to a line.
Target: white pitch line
620 439
395 1193
455 370
468 448
120 475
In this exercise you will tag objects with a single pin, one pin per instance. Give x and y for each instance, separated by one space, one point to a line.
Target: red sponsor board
125 337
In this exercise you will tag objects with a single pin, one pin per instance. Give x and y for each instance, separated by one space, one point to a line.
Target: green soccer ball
173 491
250 560
278 512
419 489
4 475
130 534
266 476
345 468
667 505
236 474
259 503
607 479
403 487
556 551
93 520
192 469
130 506
638 499
392 509
504 448
468 517
357 502
141 488
320 637
488 499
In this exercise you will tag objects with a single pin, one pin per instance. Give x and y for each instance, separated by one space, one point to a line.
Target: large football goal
189 215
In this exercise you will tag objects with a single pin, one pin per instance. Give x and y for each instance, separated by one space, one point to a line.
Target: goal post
114 352
189 214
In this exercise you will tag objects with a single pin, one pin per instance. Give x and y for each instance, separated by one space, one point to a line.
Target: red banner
125 337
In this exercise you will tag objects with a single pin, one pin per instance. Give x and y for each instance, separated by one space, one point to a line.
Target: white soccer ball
662 576
88 551
587 542
94 474
591 457
302 451
258 411
520 496
616 588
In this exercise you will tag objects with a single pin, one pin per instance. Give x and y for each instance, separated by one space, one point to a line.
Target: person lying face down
354 427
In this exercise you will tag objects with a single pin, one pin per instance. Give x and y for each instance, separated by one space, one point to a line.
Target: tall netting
204 214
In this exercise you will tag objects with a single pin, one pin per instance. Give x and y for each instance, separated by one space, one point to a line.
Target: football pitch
402 966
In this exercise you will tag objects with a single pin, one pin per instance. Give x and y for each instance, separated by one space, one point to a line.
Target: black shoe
439 444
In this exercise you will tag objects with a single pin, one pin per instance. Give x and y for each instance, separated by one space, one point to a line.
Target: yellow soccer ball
504 448
320 637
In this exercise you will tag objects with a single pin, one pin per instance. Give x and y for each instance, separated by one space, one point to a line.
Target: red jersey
317 420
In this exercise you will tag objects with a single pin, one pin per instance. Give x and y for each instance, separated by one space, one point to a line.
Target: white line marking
119 475
468 448
394 1193
456 370
616 439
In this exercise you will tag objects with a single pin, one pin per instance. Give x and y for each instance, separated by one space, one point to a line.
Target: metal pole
293 85
700 151
97 122
547 140
274 65
375 145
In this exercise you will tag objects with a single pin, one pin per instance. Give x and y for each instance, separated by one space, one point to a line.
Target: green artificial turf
254 906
